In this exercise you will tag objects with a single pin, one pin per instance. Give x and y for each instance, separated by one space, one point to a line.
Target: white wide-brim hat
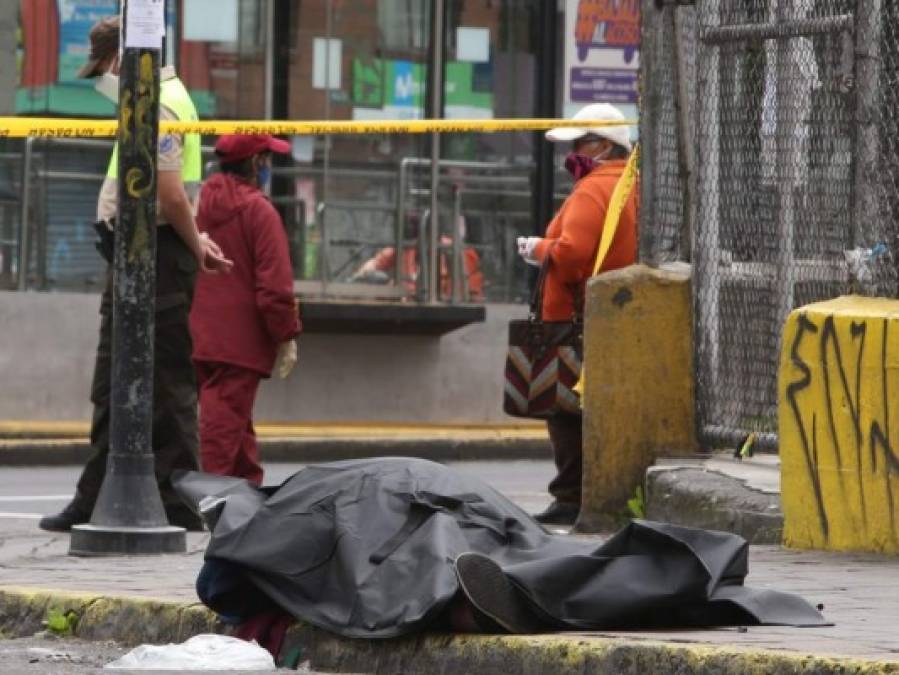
620 135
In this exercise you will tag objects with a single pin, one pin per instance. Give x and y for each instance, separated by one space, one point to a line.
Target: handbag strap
536 313
622 192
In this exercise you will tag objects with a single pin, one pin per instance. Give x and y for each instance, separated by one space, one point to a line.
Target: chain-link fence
770 131
668 85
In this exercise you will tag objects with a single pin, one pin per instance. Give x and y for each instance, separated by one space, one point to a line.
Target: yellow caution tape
620 194
23 127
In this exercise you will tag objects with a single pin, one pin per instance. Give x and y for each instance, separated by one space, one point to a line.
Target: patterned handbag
543 363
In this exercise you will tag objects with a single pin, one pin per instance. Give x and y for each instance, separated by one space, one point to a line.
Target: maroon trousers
227 437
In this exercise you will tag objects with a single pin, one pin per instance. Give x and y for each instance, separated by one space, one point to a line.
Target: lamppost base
102 540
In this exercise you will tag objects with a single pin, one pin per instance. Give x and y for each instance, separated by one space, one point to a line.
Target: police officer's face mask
107 84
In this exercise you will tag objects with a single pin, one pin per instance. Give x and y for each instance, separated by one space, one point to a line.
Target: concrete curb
66 452
696 497
129 621
132 621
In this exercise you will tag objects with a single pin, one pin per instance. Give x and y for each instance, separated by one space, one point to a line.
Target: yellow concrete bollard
839 424
638 397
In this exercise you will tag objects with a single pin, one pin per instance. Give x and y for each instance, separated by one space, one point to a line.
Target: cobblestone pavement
859 592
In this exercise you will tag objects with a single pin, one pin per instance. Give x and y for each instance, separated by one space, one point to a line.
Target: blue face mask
263 175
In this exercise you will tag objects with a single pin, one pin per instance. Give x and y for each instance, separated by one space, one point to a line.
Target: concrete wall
48 343
638 384
838 422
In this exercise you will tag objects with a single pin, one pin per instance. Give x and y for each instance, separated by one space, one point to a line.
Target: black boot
559 513
65 519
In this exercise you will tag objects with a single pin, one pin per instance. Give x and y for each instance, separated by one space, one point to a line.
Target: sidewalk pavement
59 443
152 599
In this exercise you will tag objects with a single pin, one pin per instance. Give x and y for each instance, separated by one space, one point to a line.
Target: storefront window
367 190
53 45
355 60
221 56
490 72
402 24
347 200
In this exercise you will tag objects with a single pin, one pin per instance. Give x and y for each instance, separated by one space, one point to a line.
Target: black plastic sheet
366 548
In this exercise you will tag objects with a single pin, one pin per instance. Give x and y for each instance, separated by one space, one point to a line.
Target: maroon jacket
240 318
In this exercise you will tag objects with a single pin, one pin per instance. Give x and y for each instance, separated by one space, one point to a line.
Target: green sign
459 90
368 83
392 85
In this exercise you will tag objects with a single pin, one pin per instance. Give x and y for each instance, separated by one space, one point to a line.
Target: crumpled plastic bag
201 652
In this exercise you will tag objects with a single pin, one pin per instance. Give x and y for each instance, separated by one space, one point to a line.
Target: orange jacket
385 260
572 239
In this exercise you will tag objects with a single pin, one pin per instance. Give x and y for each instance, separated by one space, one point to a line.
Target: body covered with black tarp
367 548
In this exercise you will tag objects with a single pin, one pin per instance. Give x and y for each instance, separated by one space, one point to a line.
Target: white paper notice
145 24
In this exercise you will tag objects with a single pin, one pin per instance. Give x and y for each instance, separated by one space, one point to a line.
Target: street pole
546 85
438 7
129 518
652 32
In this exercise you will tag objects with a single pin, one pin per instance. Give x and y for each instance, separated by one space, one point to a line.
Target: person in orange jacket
384 261
245 323
596 161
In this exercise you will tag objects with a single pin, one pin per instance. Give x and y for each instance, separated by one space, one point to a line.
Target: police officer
181 251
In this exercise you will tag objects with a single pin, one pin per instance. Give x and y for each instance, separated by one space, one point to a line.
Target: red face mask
579 165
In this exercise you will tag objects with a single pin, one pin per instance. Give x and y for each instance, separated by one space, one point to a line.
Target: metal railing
48 242
464 182
410 187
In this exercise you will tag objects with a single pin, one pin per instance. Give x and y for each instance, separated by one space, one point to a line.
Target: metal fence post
437 64
686 148
867 228
789 156
459 275
707 240
400 227
888 129
651 95
25 212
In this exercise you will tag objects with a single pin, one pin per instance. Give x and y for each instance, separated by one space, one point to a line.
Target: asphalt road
27 493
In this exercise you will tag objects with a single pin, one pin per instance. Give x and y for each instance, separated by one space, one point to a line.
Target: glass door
358 60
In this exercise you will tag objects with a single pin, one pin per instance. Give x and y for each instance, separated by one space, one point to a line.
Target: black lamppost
129 518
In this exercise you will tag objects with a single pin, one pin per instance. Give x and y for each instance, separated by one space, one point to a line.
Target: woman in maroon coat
243 322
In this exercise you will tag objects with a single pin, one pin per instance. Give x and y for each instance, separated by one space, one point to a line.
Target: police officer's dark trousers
175 436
